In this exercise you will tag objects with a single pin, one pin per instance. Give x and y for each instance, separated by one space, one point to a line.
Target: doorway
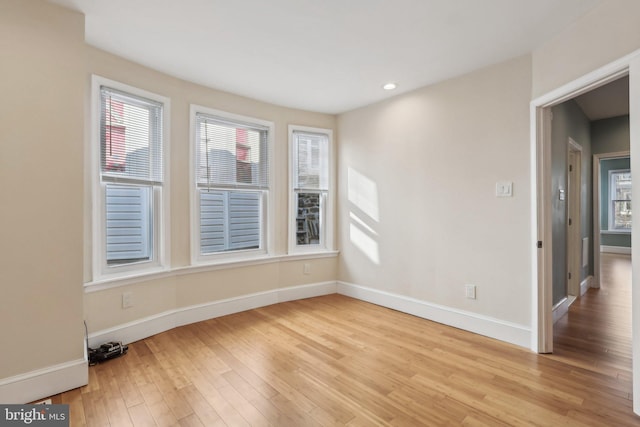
543 194
602 239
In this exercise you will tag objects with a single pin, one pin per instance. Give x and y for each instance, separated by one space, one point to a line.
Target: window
620 200
128 195
231 182
310 188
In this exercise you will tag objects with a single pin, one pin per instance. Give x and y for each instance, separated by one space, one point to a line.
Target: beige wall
607 33
103 309
44 258
41 180
418 213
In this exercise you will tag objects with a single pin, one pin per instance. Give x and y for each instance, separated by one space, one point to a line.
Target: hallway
596 333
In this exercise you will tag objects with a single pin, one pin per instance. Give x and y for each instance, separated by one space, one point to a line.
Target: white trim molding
586 284
616 249
34 385
143 328
484 325
560 309
148 326
133 279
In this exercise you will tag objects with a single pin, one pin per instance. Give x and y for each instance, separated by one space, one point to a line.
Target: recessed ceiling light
390 86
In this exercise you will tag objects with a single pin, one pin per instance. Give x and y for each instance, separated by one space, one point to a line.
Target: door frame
541 253
542 258
574 215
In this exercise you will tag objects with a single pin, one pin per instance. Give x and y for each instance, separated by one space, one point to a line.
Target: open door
634 127
574 227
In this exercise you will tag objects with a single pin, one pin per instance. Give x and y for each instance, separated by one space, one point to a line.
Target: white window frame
611 201
328 215
160 207
268 204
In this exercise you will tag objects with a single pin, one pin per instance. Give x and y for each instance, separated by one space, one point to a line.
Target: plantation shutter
244 220
213 217
128 222
229 220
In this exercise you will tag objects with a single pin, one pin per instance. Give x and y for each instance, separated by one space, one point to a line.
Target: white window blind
230 153
311 160
130 138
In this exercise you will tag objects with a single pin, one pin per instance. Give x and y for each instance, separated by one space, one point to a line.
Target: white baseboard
148 326
585 285
34 385
494 328
560 309
473 322
615 249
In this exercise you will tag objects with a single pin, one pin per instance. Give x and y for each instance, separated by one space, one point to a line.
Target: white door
574 235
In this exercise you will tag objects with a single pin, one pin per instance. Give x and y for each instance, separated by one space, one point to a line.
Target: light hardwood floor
337 361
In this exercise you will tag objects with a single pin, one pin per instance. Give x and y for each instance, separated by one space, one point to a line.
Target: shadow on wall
364 214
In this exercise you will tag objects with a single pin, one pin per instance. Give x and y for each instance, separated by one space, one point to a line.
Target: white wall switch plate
504 189
470 291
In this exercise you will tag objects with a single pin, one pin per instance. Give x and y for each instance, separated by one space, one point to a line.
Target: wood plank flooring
335 361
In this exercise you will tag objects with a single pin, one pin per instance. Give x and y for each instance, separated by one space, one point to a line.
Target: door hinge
569 276
569 221
539 244
570 168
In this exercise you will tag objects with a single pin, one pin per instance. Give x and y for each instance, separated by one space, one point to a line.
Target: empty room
364 212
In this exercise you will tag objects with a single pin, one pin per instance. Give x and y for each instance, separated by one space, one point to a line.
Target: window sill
140 277
123 279
615 231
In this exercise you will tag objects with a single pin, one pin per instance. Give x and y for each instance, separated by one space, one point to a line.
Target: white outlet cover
470 291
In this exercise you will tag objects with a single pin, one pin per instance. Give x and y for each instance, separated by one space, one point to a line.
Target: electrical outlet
470 291
127 300
306 268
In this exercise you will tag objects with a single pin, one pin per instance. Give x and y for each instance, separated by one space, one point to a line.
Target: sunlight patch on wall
364 214
363 193
363 241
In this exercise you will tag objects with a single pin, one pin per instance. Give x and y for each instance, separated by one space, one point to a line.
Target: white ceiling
607 101
322 55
